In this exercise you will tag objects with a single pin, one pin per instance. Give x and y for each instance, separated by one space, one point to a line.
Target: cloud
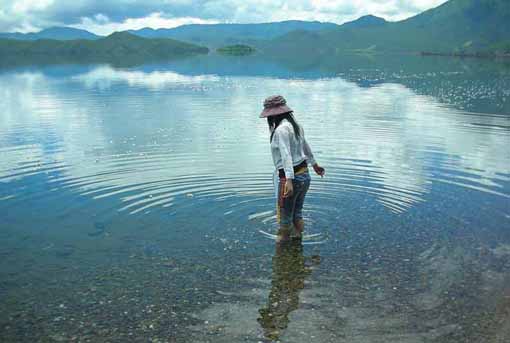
101 25
109 15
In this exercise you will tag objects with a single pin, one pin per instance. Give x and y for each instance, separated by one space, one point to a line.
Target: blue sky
106 16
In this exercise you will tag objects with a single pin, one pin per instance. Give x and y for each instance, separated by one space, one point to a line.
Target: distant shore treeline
488 54
236 50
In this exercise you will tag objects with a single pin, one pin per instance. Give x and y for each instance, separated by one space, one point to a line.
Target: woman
291 156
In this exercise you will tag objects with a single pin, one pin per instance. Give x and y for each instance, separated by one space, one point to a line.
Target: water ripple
169 139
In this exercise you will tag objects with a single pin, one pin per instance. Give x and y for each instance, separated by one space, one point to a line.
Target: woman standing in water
291 156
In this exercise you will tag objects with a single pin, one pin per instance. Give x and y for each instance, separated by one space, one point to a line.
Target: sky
106 16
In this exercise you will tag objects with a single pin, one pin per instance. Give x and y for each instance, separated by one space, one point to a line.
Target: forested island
118 48
236 50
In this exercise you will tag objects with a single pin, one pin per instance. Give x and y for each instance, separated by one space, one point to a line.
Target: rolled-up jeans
290 209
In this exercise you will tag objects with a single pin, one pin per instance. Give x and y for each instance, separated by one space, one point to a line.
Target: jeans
290 209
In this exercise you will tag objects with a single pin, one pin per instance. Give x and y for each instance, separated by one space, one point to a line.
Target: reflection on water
143 191
385 141
289 273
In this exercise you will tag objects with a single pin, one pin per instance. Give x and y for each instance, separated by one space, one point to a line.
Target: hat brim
274 111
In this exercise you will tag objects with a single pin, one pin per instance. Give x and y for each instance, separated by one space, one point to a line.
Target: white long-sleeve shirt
287 151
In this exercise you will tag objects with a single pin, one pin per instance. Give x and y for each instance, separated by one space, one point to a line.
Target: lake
132 200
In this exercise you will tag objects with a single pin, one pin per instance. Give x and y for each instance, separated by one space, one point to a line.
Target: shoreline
466 55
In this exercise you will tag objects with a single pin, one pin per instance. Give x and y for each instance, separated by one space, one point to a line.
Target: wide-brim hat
275 105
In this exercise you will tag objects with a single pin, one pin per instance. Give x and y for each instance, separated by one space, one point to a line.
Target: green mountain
365 21
59 33
216 35
120 48
456 26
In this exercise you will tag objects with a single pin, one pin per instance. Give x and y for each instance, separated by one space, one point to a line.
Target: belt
299 169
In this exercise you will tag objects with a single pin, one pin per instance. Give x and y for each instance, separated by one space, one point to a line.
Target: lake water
131 201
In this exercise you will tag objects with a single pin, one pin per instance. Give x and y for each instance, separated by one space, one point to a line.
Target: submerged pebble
65 251
99 229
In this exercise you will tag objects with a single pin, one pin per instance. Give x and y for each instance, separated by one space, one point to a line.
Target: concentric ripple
151 141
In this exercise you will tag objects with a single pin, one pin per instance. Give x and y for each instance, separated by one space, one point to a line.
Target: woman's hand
289 189
319 170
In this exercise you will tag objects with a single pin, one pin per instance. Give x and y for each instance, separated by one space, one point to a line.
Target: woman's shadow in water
290 268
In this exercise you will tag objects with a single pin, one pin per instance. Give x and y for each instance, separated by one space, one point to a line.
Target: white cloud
22 15
104 78
102 26
110 15
24 6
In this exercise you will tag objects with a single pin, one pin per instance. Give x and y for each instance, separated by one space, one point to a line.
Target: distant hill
460 27
365 21
118 48
216 35
58 33
464 26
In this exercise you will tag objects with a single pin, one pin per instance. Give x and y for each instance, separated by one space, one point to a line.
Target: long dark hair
274 122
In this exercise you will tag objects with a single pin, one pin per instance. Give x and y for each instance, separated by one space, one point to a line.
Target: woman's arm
310 159
308 152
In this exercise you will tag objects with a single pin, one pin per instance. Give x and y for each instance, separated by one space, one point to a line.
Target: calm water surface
131 201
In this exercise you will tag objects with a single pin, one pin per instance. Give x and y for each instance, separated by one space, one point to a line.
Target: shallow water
131 202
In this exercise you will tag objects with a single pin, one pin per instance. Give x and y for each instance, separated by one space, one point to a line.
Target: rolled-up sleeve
283 140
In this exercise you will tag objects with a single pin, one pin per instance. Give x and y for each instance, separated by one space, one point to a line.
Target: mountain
58 33
119 48
12 35
365 21
457 26
227 34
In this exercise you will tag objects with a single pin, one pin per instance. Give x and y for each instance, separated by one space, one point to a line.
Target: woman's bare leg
283 233
299 227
